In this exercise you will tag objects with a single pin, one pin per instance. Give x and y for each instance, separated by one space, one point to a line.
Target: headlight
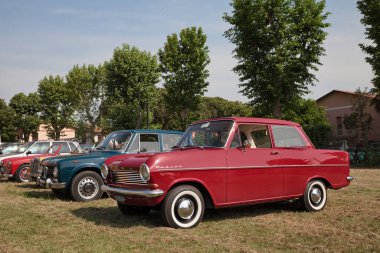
104 170
55 172
144 172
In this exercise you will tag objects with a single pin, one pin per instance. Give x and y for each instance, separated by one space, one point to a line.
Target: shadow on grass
28 186
111 216
251 211
48 195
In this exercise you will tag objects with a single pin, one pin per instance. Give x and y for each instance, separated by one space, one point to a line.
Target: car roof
149 131
253 120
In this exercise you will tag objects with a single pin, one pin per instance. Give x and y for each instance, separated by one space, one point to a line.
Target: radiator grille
34 164
127 176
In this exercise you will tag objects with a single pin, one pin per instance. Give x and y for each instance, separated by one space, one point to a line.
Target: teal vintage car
80 175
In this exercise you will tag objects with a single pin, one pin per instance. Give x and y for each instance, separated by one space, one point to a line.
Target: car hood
79 157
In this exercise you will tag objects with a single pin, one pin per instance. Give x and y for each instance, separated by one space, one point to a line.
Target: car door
254 172
296 153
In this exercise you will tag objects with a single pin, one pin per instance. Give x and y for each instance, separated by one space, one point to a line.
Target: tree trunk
277 109
57 133
138 120
26 136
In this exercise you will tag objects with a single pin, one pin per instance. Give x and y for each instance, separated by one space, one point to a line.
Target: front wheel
183 207
315 196
133 210
86 186
22 173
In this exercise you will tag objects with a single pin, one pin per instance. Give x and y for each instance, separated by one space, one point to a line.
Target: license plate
119 198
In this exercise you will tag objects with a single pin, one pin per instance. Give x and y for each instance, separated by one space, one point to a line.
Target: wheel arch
209 201
321 178
82 169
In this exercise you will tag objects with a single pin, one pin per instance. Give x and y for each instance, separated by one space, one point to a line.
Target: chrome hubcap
88 187
24 174
316 195
185 208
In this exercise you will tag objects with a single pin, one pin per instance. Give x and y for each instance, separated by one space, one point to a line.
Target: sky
48 37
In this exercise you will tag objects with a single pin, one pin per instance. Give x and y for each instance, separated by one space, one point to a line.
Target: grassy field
35 220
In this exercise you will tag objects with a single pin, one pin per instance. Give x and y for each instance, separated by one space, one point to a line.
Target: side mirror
29 152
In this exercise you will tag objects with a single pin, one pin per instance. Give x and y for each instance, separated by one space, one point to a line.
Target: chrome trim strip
252 167
132 192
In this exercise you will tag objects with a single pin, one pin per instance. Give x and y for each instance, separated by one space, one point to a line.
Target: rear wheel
183 207
133 210
86 186
22 173
315 196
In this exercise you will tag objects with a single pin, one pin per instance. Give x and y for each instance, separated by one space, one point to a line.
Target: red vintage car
227 162
19 167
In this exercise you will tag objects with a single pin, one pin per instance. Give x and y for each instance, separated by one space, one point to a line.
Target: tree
313 120
371 20
57 105
88 82
278 46
183 65
359 121
131 77
26 109
216 107
7 123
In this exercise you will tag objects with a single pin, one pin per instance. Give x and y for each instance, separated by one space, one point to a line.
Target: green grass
35 220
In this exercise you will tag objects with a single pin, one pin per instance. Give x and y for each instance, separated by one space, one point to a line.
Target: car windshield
115 141
9 148
24 147
207 134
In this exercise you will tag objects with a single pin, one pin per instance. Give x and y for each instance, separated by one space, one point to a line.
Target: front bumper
49 184
145 193
34 176
6 175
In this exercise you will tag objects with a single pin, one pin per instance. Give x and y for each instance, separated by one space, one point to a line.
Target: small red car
227 162
19 167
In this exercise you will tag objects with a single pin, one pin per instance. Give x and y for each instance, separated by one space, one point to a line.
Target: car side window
236 143
72 146
149 143
287 136
65 147
254 136
169 141
40 148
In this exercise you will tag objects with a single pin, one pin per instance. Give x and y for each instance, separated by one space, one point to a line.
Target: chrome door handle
274 153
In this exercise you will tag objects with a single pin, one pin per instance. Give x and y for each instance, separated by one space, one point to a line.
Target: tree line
278 47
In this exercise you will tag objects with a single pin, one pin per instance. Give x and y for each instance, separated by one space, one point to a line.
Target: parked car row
216 163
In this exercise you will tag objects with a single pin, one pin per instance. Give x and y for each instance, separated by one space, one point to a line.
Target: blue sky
39 38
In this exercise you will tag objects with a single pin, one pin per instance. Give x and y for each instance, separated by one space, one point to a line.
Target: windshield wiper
191 146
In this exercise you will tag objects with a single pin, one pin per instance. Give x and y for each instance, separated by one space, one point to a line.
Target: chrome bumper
349 178
6 175
49 184
132 192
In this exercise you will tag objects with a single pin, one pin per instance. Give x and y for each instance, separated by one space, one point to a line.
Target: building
42 134
337 104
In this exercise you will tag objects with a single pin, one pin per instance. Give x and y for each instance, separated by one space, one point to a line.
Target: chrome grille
34 164
47 172
127 176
